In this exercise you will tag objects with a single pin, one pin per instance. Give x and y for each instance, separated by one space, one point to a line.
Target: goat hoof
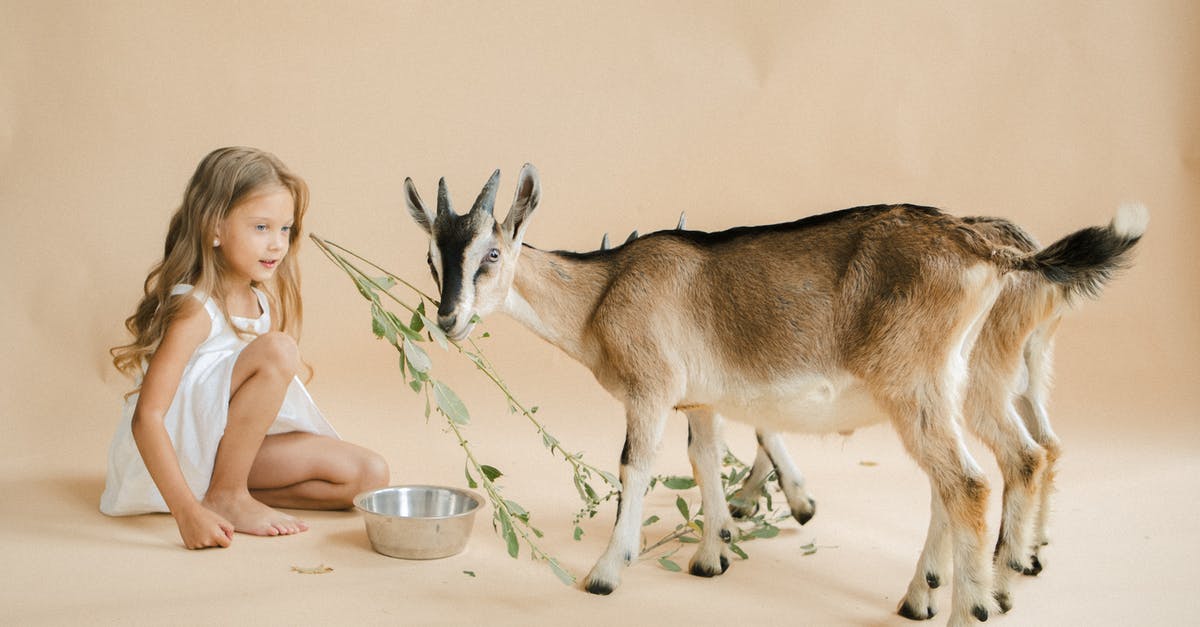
599 587
980 613
933 580
743 510
1035 569
908 612
700 570
802 516
1004 601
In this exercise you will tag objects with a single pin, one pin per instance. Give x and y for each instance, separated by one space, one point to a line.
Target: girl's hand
202 528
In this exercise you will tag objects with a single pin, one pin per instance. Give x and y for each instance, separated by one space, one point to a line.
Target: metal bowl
418 522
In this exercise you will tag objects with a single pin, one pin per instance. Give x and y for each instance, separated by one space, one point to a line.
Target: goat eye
493 255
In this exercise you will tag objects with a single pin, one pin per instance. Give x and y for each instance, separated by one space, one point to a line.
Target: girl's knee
277 351
373 472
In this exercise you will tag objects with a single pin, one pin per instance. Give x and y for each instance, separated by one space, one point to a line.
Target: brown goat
1009 379
824 324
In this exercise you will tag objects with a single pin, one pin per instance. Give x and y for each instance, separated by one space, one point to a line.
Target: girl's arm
199 526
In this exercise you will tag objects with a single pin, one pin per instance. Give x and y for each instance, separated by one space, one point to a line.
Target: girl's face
254 236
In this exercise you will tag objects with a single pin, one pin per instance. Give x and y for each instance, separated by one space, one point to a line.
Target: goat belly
809 404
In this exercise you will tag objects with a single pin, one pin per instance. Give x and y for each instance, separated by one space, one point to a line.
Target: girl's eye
493 255
260 227
286 229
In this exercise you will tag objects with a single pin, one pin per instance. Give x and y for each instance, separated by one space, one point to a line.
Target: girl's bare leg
260 380
308 471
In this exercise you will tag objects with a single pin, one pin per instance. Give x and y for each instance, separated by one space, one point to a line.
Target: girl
220 430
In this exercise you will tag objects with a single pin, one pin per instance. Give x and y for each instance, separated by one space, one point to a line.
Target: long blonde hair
223 179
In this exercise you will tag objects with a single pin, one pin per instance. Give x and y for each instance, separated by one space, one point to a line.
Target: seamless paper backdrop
1050 114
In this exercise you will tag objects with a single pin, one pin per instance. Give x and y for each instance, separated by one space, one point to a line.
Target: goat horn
682 220
487 197
632 236
443 205
604 242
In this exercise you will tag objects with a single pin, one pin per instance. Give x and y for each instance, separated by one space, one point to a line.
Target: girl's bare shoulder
190 324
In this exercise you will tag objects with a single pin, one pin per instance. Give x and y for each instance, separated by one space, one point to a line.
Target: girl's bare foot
250 516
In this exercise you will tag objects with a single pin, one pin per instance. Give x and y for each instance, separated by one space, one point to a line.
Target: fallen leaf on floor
319 570
867 462
469 573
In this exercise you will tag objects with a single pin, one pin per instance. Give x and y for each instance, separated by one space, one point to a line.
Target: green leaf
450 404
650 521
386 282
418 359
490 472
738 550
403 328
682 506
510 536
764 532
436 332
382 324
469 573
416 323
470 480
366 289
516 509
669 565
547 439
559 572
578 532
679 483
688 540
741 503
611 479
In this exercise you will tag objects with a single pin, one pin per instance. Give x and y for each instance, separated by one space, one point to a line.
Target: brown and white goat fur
824 324
1007 389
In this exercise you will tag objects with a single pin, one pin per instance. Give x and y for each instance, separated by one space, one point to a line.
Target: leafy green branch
763 524
582 471
510 519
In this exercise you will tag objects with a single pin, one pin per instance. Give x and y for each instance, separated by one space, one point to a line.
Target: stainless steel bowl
418 522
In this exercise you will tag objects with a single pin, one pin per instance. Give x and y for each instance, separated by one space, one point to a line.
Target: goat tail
1082 262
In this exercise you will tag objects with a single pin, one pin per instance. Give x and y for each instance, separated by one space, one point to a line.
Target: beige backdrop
1050 114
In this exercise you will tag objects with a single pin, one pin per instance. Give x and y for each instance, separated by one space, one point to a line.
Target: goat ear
529 194
416 207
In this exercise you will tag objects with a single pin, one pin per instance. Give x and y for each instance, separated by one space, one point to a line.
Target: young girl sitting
220 430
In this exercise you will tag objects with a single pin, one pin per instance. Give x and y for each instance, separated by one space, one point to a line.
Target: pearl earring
216 243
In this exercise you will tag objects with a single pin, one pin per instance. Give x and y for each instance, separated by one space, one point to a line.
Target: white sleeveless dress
196 419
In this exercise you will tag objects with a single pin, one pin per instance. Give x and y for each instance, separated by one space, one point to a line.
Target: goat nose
447 321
